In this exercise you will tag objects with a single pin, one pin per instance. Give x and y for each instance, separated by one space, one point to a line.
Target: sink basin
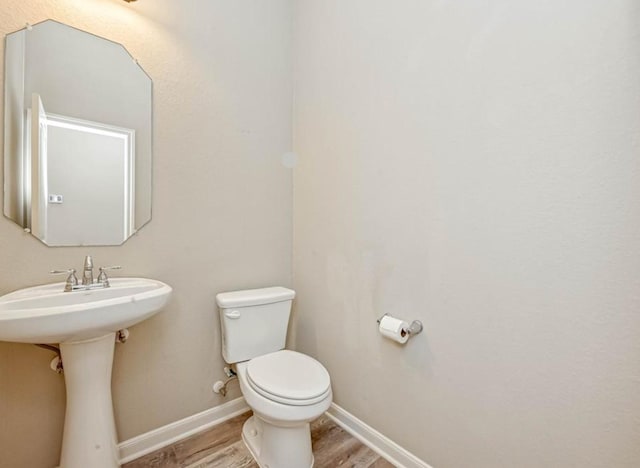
46 314
85 324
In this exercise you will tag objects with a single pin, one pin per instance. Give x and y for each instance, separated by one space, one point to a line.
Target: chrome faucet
87 271
72 283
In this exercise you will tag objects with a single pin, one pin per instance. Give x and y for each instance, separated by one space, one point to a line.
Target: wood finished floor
222 447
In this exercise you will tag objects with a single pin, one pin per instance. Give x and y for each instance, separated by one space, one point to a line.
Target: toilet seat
289 378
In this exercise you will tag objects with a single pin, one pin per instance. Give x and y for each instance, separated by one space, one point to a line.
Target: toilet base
278 447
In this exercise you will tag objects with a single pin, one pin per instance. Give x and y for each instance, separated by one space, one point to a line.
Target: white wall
474 164
221 208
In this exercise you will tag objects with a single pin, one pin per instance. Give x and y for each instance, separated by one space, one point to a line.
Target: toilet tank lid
252 297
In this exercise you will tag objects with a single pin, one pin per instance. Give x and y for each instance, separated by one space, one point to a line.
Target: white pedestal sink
84 323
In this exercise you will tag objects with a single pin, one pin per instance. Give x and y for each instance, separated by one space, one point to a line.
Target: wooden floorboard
222 447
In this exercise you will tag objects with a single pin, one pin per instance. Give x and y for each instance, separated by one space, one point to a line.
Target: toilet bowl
285 389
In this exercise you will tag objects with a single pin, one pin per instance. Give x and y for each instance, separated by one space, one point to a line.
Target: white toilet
286 390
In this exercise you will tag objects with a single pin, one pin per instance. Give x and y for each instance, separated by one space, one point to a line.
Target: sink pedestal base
89 438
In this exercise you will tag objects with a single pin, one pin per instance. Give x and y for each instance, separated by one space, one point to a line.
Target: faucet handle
102 277
72 279
70 271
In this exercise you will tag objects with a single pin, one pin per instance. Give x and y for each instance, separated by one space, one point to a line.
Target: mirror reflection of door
84 176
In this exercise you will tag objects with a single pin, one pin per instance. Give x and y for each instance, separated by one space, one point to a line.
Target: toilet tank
254 322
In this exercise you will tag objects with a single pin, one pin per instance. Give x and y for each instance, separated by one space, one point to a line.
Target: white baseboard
387 449
173 432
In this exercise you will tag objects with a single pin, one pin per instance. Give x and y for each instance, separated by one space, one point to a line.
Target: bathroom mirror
77 137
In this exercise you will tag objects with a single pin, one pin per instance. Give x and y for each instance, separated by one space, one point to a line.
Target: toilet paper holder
415 327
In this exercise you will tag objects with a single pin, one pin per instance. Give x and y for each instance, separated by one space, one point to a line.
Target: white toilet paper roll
394 329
